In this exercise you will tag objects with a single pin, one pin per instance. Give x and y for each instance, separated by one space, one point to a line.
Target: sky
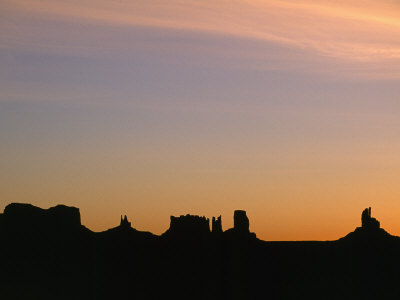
286 109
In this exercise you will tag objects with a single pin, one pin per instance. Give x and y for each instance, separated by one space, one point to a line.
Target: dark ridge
49 254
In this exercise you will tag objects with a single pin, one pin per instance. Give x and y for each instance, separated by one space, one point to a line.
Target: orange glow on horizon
151 108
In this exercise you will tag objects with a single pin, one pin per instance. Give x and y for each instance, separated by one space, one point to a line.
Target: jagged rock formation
369 231
188 225
216 225
367 221
125 222
125 233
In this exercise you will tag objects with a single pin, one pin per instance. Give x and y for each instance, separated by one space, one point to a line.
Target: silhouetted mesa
188 225
367 221
29 218
216 225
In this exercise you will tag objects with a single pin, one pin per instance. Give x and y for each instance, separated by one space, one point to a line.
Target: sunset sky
289 110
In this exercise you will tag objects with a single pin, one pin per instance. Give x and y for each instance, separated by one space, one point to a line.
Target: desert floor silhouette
49 254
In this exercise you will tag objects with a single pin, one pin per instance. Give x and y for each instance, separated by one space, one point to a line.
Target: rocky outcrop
241 226
125 222
216 225
125 233
367 222
369 231
188 225
241 221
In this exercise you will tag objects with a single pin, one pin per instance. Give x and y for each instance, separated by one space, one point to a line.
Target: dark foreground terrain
48 254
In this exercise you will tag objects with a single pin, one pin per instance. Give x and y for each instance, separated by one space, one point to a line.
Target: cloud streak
352 30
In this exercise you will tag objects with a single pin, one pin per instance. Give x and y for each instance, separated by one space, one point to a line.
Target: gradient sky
286 109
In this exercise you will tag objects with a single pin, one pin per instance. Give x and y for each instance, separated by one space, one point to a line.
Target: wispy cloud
356 33
350 30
